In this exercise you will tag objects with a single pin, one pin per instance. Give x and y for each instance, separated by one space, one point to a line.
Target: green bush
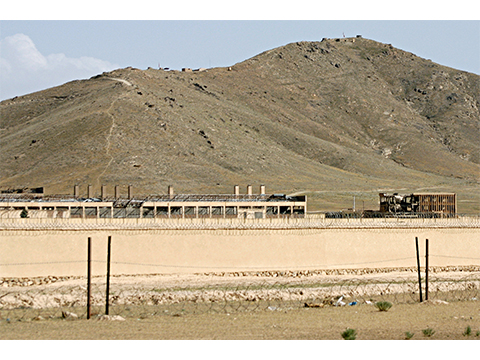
24 214
383 305
349 334
408 335
428 332
468 331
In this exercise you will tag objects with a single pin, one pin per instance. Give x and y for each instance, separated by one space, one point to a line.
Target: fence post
109 247
426 269
418 270
89 276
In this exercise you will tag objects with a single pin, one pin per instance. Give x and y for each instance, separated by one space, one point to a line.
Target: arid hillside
331 119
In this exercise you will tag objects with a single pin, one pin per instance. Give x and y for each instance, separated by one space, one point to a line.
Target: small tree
24 214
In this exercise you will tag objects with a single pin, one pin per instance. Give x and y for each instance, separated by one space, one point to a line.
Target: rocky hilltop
331 119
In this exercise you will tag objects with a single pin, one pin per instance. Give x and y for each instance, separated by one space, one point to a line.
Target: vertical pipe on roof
117 192
262 189
236 190
249 189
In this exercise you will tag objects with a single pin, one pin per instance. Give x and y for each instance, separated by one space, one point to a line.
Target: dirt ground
449 320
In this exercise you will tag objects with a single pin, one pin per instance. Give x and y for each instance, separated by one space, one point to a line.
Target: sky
39 51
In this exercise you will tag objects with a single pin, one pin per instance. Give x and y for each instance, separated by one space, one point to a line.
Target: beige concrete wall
29 253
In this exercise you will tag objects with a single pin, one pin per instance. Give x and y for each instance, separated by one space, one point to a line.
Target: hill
332 119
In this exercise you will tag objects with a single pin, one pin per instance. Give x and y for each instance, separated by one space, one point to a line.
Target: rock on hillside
340 115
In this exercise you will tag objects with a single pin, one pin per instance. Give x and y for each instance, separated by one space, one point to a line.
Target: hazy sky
38 54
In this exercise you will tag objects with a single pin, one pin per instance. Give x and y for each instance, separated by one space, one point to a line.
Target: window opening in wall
76 212
284 210
162 211
231 211
105 212
272 211
203 211
90 212
148 212
132 212
217 211
119 212
190 212
299 210
176 211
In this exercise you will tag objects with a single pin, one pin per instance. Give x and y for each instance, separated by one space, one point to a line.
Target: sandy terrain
246 288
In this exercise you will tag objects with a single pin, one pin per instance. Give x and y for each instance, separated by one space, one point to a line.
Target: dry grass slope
332 119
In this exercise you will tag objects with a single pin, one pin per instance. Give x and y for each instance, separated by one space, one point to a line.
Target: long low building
171 205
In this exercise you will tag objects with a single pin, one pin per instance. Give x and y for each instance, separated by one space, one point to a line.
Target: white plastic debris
340 302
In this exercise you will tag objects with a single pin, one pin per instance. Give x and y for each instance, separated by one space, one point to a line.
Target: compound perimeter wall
32 253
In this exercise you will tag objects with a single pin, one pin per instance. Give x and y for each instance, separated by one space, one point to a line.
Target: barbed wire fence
274 293
55 298
311 221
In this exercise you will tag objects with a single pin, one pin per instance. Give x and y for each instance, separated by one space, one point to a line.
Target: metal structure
435 204
155 206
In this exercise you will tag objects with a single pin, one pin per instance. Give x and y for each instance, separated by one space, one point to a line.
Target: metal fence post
89 276
418 269
109 247
426 269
